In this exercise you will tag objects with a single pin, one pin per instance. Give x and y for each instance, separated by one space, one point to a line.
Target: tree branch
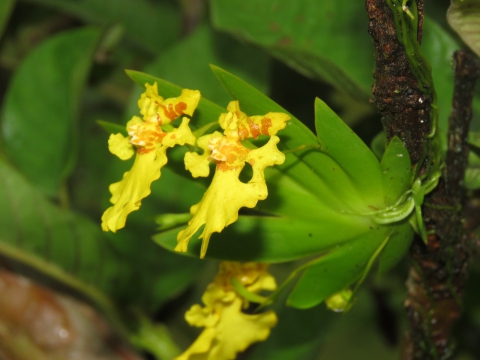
438 270
404 108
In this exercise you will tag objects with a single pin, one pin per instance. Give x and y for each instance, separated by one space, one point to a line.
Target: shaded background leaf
38 117
152 25
464 17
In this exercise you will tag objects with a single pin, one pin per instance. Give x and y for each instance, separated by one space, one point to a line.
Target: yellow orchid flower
227 329
227 194
151 143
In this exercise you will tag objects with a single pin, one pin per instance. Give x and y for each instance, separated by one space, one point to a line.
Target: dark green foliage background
62 68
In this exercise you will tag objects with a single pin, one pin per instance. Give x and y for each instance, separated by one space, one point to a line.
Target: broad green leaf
112 128
438 47
350 152
274 239
396 247
6 7
299 188
187 65
397 171
378 145
72 251
320 39
316 171
57 243
337 269
152 25
464 17
335 201
41 107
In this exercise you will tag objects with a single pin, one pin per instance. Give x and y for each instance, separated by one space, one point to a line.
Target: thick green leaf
464 17
273 239
153 25
73 251
350 152
41 106
321 40
438 47
378 145
112 128
318 38
397 171
6 7
316 171
57 243
299 188
396 247
337 269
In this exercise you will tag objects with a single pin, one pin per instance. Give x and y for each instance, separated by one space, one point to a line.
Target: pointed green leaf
112 128
337 269
310 168
41 107
152 25
378 145
75 254
273 239
301 34
397 171
350 152
396 247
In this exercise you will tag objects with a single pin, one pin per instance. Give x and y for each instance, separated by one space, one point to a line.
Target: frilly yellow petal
134 121
120 145
267 155
227 194
238 124
253 276
198 165
234 332
181 136
227 329
219 207
155 109
201 317
135 185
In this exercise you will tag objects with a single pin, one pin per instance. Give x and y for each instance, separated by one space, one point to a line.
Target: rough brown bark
438 269
404 108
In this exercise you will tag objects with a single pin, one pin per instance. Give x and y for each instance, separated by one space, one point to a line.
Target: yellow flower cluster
228 330
227 194
151 143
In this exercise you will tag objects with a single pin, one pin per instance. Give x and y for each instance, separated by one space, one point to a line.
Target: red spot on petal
266 125
254 128
180 107
242 132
